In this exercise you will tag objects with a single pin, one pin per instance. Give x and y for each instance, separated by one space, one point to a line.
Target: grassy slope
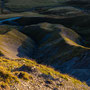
12 72
24 75
11 44
17 37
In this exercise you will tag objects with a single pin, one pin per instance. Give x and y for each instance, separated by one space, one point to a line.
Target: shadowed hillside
25 5
83 4
62 45
12 40
54 33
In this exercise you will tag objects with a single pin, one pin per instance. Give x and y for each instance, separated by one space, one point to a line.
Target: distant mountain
85 4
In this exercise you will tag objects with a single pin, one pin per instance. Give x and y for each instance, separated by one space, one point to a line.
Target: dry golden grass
10 74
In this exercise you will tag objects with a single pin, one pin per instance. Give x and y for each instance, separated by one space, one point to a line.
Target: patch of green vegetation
26 62
23 75
7 76
42 68
47 70
9 64
10 74
4 85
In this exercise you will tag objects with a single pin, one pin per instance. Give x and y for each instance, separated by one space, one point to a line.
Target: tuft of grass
7 77
4 85
42 68
23 75
8 63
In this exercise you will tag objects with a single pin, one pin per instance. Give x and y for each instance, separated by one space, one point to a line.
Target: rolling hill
11 41
45 46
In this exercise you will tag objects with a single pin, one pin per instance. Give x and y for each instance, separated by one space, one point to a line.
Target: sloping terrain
10 44
83 4
24 5
57 36
48 38
25 74
60 11
53 35
61 48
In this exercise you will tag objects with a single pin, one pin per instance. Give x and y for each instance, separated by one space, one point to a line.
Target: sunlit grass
9 73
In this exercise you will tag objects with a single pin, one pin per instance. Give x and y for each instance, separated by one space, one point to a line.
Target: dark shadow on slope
77 23
84 4
48 56
4 29
81 21
33 70
36 33
81 73
77 20
26 49
26 69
